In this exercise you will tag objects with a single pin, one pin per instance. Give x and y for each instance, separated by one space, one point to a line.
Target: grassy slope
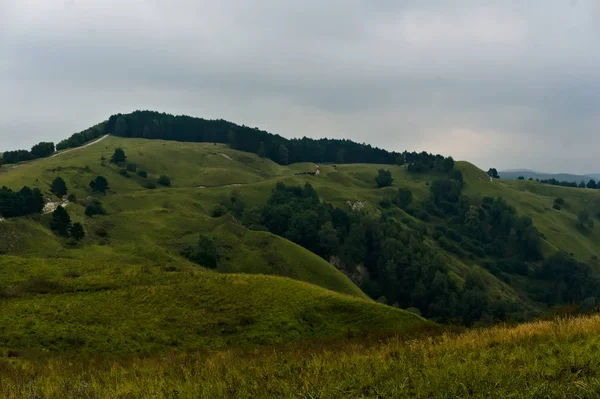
148 228
557 359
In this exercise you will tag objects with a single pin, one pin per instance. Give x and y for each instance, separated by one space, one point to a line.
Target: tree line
40 150
26 201
155 125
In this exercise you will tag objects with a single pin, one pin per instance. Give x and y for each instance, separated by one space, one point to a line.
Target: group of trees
26 201
582 184
203 253
40 150
402 268
79 139
155 125
420 162
493 172
62 225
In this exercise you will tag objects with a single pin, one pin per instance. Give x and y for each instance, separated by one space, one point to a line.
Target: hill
151 227
527 174
554 359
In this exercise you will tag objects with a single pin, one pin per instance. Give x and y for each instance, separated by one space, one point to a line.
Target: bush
218 211
72 197
101 232
559 201
164 180
151 185
142 173
131 167
94 208
556 206
384 178
123 172
204 254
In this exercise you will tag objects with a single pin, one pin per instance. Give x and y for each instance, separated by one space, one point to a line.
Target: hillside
556 359
150 227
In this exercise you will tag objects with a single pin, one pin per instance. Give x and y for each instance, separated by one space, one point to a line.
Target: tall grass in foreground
547 359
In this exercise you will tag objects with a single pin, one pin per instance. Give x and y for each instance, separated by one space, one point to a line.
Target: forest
155 125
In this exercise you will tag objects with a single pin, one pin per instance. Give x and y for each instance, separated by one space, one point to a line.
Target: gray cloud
505 83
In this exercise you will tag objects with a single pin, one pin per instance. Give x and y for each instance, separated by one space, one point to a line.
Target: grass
546 359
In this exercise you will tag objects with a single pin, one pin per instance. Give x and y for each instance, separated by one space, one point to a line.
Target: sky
504 84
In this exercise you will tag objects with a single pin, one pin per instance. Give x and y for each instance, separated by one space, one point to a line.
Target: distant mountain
594 175
527 173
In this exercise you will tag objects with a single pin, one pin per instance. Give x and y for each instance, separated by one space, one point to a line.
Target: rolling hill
527 173
87 310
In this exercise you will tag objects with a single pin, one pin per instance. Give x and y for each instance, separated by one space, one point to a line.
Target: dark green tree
384 178
58 187
118 156
262 152
584 219
493 173
404 198
164 180
592 184
76 231
231 139
400 160
204 253
99 184
60 221
131 167
284 155
448 164
95 208
581 184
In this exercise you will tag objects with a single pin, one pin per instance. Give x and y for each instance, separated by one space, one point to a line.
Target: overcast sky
502 84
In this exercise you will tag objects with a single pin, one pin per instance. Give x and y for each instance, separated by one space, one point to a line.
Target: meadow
545 359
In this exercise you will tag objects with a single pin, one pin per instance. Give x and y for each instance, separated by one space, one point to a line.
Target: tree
42 149
384 178
328 240
400 160
58 187
76 231
95 208
404 197
205 253
592 184
119 156
448 164
284 155
445 190
164 180
99 184
142 173
581 184
521 178
60 221
131 167
121 127
493 173
262 152
231 139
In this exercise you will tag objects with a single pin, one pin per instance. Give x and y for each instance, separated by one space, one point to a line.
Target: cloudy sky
502 84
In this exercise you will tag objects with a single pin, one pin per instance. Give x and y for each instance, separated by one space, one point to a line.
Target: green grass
147 229
556 359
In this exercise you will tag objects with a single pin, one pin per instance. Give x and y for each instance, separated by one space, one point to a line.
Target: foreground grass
550 359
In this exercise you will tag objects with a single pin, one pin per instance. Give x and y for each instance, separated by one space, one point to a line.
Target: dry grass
549 359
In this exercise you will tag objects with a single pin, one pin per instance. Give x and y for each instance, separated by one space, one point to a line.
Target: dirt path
53 156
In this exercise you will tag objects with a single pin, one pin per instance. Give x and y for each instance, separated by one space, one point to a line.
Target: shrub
95 208
218 211
151 185
58 187
72 197
204 253
164 180
123 172
101 232
559 201
556 206
131 167
142 173
384 178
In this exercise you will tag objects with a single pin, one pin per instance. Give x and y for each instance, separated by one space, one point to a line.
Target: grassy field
547 359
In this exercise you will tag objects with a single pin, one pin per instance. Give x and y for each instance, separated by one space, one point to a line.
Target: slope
551 359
